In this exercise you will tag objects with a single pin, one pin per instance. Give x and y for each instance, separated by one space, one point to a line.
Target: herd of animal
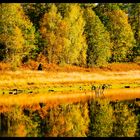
98 90
17 91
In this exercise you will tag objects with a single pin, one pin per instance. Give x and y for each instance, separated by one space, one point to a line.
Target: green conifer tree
98 40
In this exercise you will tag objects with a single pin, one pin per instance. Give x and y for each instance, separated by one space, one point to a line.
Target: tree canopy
83 34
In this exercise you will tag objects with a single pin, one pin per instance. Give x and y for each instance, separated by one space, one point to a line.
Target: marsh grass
65 97
28 79
65 85
26 99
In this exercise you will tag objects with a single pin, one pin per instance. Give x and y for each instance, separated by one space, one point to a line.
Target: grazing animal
81 88
103 87
15 91
10 92
93 87
96 89
99 90
50 90
127 86
40 67
30 83
30 92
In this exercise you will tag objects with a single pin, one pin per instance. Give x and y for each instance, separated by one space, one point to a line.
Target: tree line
70 33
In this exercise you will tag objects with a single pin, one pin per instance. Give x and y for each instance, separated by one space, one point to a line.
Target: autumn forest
78 34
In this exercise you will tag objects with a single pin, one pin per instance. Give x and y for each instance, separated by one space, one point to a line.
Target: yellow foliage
17 39
21 132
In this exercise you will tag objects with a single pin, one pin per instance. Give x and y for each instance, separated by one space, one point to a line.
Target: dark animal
30 92
50 90
93 87
41 104
127 86
103 87
40 67
10 92
14 91
30 83
96 89
99 89
81 88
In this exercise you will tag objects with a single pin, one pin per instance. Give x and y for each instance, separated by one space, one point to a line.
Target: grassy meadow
68 84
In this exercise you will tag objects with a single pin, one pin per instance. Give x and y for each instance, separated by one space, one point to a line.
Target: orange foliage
5 66
21 132
122 67
4 108
33 65
70 68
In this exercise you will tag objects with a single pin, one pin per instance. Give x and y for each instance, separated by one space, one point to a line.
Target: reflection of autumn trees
101 118
125 124
95 118
68 120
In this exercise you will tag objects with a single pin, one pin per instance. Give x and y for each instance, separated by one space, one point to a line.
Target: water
91 118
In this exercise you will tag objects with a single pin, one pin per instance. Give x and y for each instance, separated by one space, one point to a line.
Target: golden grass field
23 78
67 84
